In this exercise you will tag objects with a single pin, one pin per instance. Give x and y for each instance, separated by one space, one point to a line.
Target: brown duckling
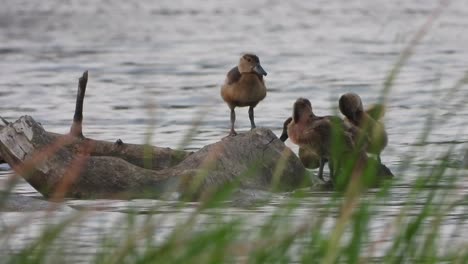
244 86
308 156
326 135
371 130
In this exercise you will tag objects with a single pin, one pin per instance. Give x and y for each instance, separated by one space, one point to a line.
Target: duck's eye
249 60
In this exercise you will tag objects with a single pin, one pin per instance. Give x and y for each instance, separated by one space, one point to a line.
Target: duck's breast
247 91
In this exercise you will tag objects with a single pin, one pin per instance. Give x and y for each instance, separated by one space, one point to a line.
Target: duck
308 156
327 136
371 131
244 86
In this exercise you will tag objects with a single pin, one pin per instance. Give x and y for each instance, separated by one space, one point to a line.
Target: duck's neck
296 116
357 118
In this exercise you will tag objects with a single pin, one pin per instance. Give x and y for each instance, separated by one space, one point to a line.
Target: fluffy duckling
371 131
244 86
308 156
325 135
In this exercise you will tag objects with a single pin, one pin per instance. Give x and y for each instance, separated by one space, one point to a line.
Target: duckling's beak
258 69
284 136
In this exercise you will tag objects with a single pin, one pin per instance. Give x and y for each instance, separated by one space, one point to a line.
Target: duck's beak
258 69
284 136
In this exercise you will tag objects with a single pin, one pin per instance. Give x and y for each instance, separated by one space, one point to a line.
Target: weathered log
66 166
155 157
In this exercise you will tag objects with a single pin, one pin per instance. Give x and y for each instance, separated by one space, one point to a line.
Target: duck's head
250 63
350 105
302 108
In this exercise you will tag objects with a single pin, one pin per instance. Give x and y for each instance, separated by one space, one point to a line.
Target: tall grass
341 230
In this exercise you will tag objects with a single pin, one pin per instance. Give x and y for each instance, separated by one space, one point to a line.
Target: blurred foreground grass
302 227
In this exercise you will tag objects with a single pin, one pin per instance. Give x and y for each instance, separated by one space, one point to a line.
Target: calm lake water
163 62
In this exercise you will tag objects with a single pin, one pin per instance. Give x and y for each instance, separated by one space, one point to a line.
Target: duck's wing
356 137
326 124
317 131
233 76
312 138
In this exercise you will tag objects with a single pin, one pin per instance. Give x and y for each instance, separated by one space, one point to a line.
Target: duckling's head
250 63
302 108
350 105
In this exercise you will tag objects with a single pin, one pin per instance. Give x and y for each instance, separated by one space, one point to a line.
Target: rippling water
164 61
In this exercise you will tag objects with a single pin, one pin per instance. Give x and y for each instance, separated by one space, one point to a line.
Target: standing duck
327 136
371 130
244 86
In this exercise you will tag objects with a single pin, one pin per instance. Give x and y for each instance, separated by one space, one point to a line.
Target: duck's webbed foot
232 133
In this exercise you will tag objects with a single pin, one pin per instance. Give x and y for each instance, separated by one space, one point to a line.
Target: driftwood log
66 166
72 165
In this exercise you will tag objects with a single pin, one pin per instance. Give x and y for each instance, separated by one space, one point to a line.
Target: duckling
371 130
308 156
321 134
244 86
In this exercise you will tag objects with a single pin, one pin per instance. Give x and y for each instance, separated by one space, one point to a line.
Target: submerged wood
67 166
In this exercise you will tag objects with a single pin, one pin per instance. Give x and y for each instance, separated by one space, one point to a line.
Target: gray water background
163 62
